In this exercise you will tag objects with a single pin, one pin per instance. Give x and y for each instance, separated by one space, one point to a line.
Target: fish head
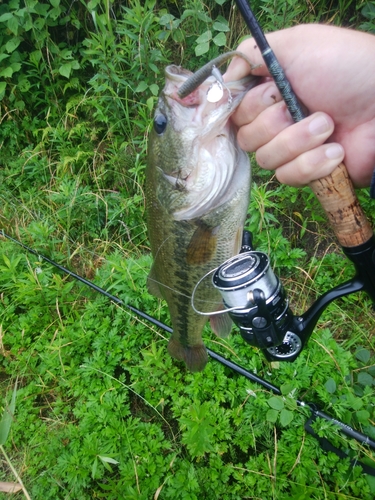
193 148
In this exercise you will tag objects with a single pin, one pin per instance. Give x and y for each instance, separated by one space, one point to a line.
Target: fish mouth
212 68
233 93
201 183
176 76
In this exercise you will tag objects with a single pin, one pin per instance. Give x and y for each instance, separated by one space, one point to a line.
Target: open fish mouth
211 68
211 90
204 182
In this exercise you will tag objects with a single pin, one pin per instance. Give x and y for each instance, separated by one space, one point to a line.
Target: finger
312 165
255 102
359 147
238 68
285 43
295 140
263 129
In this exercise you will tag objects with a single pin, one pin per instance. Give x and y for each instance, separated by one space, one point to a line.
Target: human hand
332 71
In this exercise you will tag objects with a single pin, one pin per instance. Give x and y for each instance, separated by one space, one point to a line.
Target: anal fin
221 324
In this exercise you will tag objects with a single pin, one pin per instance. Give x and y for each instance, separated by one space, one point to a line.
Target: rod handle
337 196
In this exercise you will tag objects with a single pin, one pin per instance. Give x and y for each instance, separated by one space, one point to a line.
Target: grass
102 411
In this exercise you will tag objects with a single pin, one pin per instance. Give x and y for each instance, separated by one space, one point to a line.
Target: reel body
259 304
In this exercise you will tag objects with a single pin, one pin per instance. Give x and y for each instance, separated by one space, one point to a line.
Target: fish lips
233 93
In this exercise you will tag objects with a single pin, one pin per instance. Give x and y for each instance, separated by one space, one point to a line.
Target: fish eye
160 123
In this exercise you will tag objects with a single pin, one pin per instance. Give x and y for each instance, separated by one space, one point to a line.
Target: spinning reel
252 294
257 303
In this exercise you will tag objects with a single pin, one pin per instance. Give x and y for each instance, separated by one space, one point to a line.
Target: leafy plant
368 12
102 410
5 425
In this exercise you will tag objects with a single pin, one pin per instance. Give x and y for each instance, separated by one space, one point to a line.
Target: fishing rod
252 294
315 412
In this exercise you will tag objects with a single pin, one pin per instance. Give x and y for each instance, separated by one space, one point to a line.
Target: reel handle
336 194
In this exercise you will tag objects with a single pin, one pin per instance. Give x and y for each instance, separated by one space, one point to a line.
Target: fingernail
319 125
334 152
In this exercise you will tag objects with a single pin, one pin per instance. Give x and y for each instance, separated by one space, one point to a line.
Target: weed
368 12
102 410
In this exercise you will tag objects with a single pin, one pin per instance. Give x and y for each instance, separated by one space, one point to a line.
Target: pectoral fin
202 246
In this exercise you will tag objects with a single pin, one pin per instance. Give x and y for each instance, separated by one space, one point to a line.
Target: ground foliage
102 411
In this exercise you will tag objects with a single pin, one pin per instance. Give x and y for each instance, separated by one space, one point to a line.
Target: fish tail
195 357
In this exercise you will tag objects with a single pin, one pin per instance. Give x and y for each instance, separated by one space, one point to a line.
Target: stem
15 473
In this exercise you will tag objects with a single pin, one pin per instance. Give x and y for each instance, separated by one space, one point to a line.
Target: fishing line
315 412
211 313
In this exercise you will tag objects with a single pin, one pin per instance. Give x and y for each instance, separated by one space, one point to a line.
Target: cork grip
337 196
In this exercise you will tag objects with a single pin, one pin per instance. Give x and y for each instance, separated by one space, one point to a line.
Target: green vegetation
101 410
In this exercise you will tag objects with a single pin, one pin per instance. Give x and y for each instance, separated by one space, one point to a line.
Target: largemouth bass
197 195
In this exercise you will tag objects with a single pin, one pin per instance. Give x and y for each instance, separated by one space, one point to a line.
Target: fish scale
194 225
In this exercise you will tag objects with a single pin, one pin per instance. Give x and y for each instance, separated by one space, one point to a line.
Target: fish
197 194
